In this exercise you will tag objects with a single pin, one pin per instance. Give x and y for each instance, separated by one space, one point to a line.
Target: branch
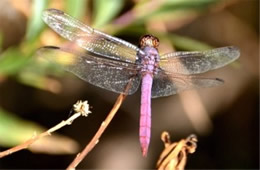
101 129
80 108
98 134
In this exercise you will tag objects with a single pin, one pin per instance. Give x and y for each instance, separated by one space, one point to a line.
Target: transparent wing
169 84
88 38
198 62
102 72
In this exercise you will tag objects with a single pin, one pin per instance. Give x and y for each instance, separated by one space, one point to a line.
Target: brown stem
81 109
98 134
24 145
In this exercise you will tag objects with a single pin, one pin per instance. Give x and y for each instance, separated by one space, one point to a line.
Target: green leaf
1 41
170 7
187 43
76 8
12 61
13 130
35 75
35 24
105 11
187 4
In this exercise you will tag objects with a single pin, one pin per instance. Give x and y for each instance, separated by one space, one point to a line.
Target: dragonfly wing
198 62
102 72
90 39
169 84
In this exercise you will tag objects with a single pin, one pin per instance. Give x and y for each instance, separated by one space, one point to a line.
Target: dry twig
101 129
174 156
98 134
80 108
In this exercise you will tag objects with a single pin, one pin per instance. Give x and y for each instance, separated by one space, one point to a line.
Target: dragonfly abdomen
145 113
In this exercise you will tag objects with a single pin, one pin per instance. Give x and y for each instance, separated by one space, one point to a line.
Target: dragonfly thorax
149 61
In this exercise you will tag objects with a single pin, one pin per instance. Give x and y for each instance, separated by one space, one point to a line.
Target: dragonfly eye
149 40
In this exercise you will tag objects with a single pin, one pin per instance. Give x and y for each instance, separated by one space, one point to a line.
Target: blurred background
36 96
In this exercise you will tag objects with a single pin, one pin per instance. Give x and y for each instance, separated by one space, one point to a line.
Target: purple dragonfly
111 63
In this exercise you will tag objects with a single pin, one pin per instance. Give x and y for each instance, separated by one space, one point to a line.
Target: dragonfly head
149 40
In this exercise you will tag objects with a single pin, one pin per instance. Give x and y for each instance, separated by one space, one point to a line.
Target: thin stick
24 145
81 109
98 134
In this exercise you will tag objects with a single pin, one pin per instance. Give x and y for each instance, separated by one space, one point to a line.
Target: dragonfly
112 63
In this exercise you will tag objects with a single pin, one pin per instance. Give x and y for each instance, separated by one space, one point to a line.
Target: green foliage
76 8
12 61
169 8
187 43
35 24
1 41
105 10
14 130
186 4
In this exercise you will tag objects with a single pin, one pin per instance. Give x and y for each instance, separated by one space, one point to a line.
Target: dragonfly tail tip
144 152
